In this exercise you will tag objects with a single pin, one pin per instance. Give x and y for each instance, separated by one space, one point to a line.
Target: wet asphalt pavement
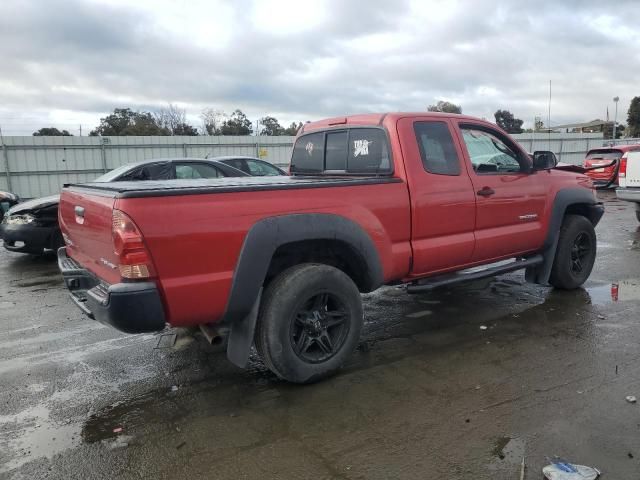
429 393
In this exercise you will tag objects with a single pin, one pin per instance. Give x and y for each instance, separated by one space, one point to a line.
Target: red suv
607 176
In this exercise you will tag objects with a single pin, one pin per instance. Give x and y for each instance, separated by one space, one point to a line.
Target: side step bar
447 279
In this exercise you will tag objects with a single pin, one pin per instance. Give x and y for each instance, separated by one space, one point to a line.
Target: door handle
79 211
486 192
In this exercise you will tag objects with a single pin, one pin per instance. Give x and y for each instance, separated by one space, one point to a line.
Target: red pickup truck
421 199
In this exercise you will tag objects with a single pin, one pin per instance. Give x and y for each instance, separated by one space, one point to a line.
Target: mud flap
540 273
241 336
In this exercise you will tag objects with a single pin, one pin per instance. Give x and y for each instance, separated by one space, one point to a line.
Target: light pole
615 117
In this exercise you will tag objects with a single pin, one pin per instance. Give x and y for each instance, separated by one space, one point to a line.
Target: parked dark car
32 226
252 166
7 200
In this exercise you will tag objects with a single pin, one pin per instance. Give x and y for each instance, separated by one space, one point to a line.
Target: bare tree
171 117
212 121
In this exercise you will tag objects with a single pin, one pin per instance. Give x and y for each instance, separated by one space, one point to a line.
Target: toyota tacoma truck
420 199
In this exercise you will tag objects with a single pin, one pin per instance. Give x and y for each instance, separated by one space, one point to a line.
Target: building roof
592 123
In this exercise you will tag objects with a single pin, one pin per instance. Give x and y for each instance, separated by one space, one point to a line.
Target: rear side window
436 148
356 151
604 154
368 151
308 154
336 151
150 171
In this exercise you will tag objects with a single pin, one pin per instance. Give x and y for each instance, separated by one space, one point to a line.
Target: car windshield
113 174
604 154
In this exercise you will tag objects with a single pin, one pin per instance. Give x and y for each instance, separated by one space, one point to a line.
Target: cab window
196 170
352 151
261 169
489 154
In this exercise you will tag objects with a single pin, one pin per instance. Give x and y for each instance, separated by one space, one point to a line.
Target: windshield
113 174
604 154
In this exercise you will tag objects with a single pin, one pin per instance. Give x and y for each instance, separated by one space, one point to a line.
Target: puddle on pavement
130 414
32 434
622 291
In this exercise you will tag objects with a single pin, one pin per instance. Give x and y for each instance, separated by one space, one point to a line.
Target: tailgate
633 169
85 220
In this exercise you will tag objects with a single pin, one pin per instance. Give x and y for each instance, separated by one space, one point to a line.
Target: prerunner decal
361 147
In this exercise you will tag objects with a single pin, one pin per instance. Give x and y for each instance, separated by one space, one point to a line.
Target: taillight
622 171
134 260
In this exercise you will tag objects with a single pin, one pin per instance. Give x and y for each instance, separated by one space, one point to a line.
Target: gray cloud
88 58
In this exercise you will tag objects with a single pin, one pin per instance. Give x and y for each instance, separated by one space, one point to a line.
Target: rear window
356 151
604 154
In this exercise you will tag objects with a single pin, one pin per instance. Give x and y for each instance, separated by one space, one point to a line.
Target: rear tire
309 322
576 253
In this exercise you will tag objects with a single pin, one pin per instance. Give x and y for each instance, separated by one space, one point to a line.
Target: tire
576 253
309 322
638 211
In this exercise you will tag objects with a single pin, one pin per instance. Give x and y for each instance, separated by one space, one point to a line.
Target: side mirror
544 160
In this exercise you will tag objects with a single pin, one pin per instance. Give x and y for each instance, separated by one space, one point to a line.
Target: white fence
39 166
568 147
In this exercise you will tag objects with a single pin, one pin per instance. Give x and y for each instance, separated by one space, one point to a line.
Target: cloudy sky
69 62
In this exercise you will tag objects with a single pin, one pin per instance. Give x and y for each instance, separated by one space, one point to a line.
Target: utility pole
80 129
549 116
615 117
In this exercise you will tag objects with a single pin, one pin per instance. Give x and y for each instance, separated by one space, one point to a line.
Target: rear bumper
133 307
30 238
628 194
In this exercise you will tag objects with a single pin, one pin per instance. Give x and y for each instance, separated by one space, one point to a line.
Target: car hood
31 206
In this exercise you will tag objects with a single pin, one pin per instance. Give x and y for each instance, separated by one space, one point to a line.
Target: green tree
538 124
236 124
292 130
443 106
633 118
185 129
51 132
270 127
126 122
506 121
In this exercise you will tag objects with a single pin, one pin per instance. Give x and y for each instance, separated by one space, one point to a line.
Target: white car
629 180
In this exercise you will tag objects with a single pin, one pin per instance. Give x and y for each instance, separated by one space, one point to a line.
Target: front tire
309 322
576 253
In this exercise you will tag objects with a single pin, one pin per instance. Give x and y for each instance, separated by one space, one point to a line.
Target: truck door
511 199
443 202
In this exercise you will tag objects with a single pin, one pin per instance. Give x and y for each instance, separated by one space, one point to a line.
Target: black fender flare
563 200
259 246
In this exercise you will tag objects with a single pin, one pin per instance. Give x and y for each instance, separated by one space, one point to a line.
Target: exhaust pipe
215 336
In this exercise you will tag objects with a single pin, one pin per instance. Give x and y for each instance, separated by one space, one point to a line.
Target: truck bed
160 188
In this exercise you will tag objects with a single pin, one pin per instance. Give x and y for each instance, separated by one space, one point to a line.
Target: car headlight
19 219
